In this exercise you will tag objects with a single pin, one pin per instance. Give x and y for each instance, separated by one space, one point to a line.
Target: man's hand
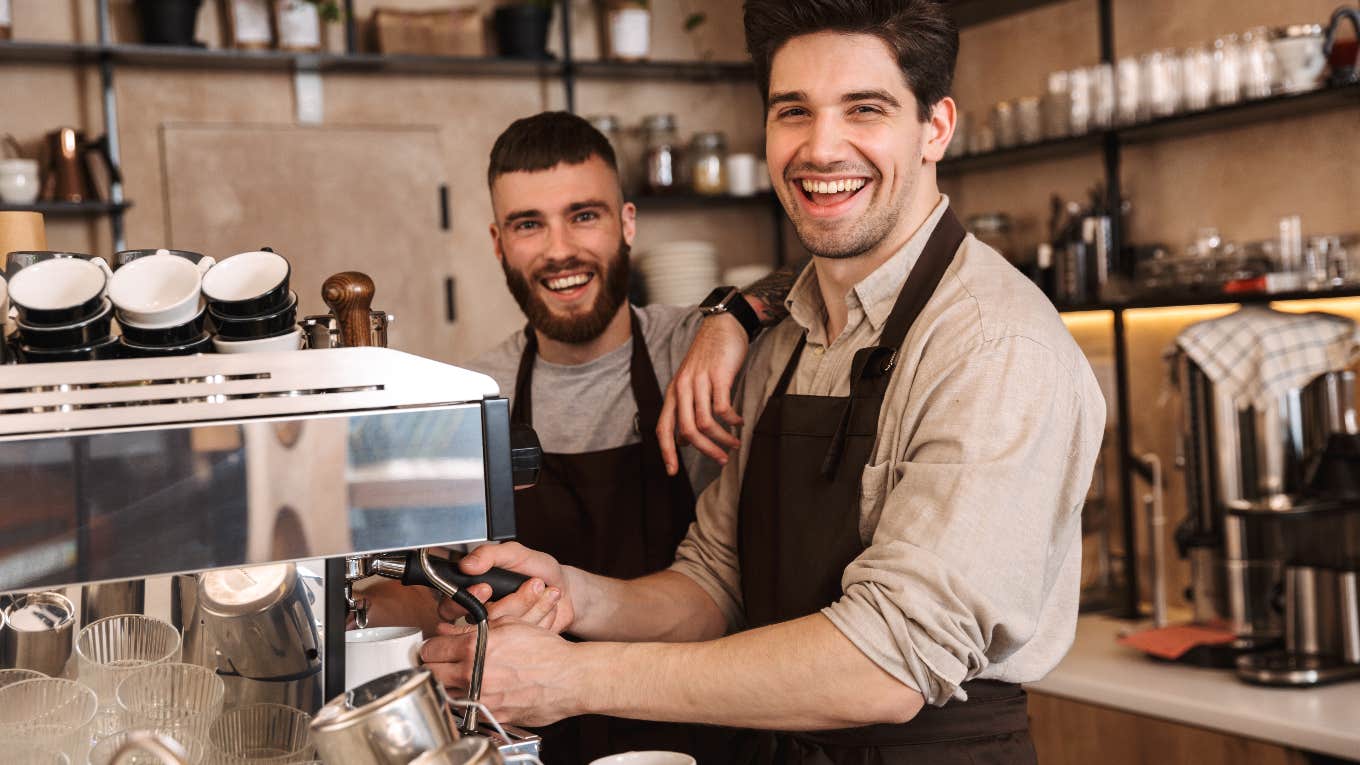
526 679
514 556
702 390
533 603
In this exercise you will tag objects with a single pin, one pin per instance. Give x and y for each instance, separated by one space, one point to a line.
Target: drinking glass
12 676
262 734
109 650
180 698
1227 70
52 713
1197 69
1128 94
103 752
27 753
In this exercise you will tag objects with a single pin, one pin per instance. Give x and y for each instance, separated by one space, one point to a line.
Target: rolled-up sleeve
974 517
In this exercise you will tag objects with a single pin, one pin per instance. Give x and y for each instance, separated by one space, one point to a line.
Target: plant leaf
695 20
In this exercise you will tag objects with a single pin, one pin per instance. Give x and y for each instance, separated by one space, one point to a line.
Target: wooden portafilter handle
350 297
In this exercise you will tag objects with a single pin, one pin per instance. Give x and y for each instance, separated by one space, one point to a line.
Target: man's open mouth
567 282
831 191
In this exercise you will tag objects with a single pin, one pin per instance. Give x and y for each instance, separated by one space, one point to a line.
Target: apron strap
877 361
522 408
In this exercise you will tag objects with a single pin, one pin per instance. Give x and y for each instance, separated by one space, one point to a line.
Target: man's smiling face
844 141
562 236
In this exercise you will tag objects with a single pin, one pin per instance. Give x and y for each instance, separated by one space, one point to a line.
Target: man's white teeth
567 282
833 187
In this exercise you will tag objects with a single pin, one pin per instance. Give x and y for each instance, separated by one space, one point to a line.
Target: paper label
630 32
299 25
250 21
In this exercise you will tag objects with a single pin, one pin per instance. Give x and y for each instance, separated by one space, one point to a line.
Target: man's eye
867 109
586 217
526 225
796 111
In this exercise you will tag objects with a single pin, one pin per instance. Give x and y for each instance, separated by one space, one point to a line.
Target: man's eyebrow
522 215
788 97
586 205
871 95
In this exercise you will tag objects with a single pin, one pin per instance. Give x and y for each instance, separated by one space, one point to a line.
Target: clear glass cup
27 753
11 676
1128 93
1102 95
109 650
103 752
1197 71
261 734
53 713
1227 70
1058 105
1257 64
180 698
1079 88
1029 120
1004 127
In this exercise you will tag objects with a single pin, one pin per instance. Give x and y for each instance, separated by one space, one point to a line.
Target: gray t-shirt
589 407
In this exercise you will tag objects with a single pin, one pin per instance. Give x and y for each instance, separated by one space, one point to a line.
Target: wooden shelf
69 208
1184 300
698 71
684 201
1279 107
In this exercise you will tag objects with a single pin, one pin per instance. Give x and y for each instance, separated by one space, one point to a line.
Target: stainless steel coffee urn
1261 529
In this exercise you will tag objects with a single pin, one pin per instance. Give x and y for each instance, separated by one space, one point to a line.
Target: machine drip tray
1278 668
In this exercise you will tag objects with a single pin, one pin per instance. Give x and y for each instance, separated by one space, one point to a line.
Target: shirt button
819 350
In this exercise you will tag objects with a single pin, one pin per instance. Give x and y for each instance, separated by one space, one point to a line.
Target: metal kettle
390 720
1343 75
71 166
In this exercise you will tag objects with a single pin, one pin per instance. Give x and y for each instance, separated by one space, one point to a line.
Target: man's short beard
578 328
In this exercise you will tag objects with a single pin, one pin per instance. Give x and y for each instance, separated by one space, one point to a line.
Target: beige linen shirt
970 508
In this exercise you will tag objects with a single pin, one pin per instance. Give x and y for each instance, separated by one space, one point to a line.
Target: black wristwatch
730 300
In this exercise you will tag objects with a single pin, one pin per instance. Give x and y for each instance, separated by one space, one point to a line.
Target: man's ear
496 242
940 129
629 222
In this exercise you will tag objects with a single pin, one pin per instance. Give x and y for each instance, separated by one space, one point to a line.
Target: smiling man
896 546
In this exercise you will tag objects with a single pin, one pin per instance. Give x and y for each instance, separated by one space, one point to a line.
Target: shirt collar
876 293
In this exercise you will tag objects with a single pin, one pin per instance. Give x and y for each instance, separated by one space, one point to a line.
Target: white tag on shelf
311 106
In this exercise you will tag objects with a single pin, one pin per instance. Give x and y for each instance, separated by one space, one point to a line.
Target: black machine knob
526 456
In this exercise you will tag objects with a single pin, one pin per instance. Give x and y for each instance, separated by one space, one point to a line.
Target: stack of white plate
679 273
745 276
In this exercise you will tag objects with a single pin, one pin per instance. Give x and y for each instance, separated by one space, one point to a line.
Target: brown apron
799 529
613 512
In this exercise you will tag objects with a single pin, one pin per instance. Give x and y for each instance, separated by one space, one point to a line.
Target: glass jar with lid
662 159
609 125
707 152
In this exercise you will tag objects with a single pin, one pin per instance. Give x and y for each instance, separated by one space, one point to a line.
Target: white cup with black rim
248 285
56 289
160 290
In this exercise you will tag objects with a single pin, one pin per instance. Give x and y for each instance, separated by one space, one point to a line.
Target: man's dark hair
920 33
543 141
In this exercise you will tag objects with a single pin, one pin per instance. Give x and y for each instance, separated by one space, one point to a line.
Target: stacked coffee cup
158 295
63 311
251 305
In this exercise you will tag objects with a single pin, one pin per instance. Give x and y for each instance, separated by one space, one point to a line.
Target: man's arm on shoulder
699 397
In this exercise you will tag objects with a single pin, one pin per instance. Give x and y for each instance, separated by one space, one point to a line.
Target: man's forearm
666 606
766 296
776 677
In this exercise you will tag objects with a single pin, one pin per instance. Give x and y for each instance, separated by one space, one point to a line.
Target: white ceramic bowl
646 758
160 290
288 342
245 276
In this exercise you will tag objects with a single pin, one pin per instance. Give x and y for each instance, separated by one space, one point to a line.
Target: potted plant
522 28
299 22
627 26
168 22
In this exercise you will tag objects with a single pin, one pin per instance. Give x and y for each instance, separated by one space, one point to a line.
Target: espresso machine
1272 526
255 488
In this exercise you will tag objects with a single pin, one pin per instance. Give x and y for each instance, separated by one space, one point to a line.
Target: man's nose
561 245
825 144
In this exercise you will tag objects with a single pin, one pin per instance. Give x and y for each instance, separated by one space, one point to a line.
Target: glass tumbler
178 698
12 676
261 734
103 752
1128 96
109 650
1227 70
27 753
1197 71
51 713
